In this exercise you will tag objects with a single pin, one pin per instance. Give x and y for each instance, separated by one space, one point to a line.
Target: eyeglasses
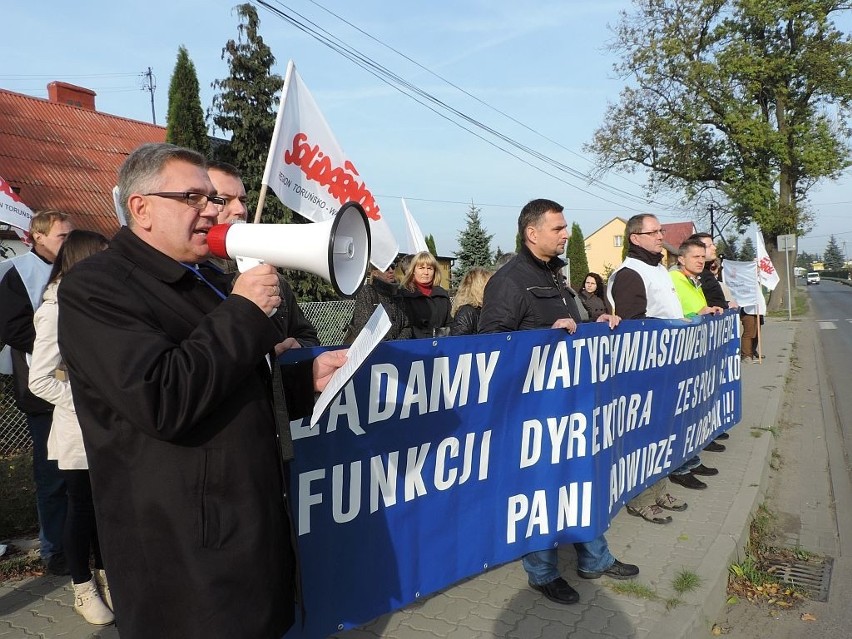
198 201
661 232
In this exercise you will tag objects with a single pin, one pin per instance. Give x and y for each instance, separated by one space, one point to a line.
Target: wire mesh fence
329 318
14 436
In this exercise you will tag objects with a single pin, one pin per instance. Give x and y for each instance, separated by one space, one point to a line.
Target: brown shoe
670 502
653 514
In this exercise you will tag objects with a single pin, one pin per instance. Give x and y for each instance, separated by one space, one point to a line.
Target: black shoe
713 447
558 591
688 481
617 570
56 565
723 436
704 470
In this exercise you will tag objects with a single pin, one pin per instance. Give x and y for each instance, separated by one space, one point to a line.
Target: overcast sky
543 64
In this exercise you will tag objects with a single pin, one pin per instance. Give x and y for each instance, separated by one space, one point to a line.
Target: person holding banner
638 289
380 289
529 292
174 392
21 291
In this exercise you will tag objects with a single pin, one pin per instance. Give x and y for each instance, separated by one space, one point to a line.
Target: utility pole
150 85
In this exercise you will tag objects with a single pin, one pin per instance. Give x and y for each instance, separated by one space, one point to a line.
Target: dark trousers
81 532
51 500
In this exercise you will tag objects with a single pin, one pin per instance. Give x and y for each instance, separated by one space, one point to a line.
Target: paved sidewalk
499 604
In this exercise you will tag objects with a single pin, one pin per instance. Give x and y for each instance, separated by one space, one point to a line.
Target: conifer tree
185 118
474 246
747 252
833 257
246 106
430 244
575 251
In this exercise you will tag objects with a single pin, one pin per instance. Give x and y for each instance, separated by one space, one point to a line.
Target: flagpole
759 294
264 183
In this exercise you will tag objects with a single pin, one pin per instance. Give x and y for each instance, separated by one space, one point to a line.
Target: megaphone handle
245 263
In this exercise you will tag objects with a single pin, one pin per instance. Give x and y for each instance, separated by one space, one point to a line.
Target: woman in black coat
467 304
593 296
426 302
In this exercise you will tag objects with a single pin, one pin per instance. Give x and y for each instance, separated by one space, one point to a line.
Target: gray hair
141 171
635 223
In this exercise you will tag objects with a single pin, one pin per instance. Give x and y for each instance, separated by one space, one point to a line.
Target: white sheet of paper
370 336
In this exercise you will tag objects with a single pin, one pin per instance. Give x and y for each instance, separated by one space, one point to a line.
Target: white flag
310 173
766 271
416 240
12 210
741 278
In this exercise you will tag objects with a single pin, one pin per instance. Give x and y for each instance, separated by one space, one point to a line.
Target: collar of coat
553 264
642 255
147 257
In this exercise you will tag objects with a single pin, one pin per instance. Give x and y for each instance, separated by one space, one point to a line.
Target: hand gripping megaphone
337 250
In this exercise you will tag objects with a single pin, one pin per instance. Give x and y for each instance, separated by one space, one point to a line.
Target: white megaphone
337 250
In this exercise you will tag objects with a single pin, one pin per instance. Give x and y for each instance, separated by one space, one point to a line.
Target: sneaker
670 502
617 570
688 481
704 471
713 447
88 603
653 514
747 359
723 436
558 591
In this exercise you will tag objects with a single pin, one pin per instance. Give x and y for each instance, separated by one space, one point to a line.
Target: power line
479 100
440 108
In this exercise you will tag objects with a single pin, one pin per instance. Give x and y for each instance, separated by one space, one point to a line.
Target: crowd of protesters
161 427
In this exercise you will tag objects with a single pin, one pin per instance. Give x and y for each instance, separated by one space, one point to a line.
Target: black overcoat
173 394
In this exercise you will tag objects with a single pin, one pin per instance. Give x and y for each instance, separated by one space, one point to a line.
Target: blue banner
444 457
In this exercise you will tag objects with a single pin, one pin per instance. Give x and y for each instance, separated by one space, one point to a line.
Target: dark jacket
174 399
466 321
429 315
713 292
17 330
368 298
525 294
595 305
290 314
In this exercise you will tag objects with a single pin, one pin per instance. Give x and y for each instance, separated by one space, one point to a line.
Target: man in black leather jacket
529 293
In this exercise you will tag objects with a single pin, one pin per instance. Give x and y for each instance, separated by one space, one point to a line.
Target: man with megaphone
228 182
175 399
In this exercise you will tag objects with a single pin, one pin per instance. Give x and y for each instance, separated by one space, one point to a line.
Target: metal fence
329 318
14 435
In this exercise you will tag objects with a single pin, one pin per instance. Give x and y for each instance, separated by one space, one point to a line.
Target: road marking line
827 325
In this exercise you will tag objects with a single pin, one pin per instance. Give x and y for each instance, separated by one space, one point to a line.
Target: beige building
604 247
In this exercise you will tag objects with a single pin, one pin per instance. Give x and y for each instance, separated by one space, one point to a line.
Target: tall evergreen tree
575 252
747 252
832 258
430 244
185 118
474 246
727 247
245 106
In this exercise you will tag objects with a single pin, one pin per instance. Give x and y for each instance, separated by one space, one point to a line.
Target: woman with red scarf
427 303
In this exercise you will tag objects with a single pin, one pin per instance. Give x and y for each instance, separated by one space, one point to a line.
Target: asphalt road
810 491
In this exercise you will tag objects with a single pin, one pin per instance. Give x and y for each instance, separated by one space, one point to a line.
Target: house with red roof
62 153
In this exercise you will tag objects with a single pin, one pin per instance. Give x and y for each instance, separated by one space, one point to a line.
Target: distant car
813 278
